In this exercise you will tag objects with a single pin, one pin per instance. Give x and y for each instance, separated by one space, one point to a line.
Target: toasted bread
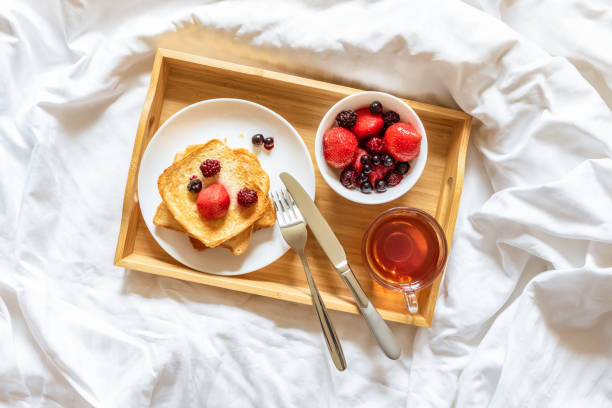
236 172
240 242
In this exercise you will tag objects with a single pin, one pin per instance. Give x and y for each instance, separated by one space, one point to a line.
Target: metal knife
334 251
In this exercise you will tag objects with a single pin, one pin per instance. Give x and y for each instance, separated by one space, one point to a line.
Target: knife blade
335 252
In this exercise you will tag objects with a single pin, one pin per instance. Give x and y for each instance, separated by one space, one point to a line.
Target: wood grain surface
180 79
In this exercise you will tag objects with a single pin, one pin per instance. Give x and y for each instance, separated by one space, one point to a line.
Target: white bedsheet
524 317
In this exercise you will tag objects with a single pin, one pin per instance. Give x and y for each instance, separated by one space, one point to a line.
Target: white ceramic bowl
332 175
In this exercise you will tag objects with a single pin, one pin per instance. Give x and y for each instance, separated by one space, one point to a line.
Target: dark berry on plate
366 159
269 143
366 187
390 117
257 139
346 118
246 197
381 186
393 179
375 107
210 167
194 185
402 167
375 145
367 169
362 178
348 178
376 159
388 160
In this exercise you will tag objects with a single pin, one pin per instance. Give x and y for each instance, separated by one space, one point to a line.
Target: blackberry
390 117
376 108
246 197
402 167
194 185
393 179
348 178
210 167
346 118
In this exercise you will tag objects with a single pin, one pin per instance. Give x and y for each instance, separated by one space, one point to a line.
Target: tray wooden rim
148 124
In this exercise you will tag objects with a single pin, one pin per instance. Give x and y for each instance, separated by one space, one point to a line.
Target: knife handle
378 327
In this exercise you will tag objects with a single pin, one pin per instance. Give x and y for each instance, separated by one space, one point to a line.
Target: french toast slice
238 170
238 244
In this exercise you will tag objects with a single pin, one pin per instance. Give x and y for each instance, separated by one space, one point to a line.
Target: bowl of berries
371 147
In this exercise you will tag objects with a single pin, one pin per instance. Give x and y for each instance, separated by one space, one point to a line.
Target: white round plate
233 121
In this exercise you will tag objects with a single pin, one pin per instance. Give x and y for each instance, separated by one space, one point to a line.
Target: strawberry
358 165
339 147
368 124
213 201
378 173
403 141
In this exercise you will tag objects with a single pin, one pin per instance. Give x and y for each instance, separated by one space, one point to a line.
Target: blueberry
376 108
381 186
376 160
366 187
402 167
367 169
390 118
365 159
388 160
194 185
362 178
269 143
257 139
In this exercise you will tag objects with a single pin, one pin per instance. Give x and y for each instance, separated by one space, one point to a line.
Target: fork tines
286 208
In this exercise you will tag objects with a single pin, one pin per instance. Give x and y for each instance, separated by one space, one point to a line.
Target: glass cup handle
411 302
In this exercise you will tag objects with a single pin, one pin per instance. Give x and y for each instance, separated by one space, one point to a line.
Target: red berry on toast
213 201
403 141
339 147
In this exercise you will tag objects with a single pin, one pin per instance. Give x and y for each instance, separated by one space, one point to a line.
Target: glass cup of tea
405 249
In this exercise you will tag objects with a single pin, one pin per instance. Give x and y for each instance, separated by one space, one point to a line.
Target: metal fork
293 229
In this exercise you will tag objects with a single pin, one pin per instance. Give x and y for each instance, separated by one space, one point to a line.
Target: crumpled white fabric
524 317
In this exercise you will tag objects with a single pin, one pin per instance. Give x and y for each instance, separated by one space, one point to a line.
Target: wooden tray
180 79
